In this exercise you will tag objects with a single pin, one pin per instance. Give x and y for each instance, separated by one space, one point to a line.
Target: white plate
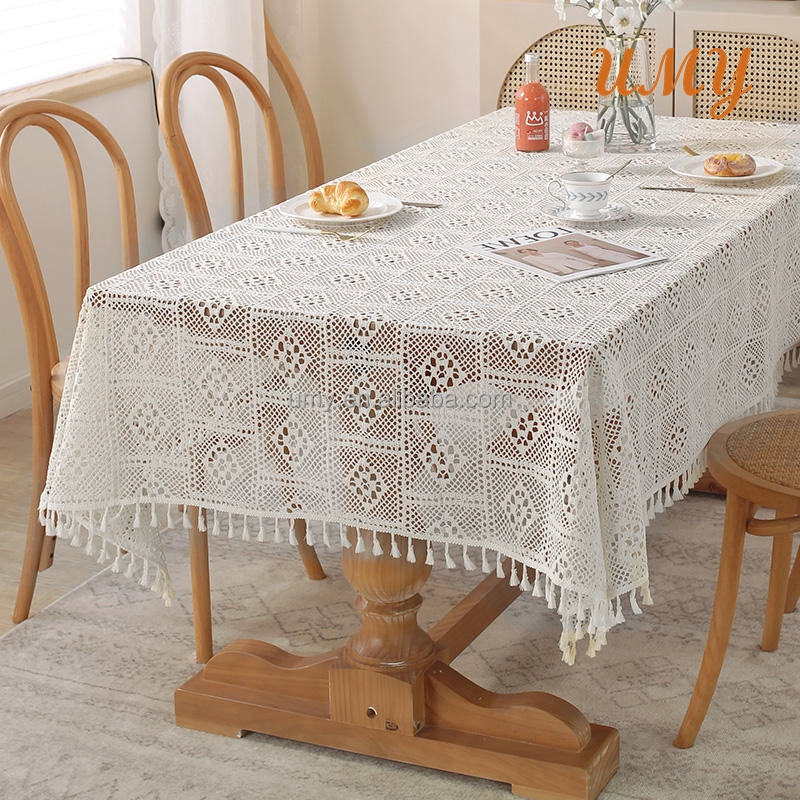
608 214
380 207
692 167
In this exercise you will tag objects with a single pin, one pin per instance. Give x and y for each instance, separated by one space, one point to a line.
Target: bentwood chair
213 66
47 365
757 459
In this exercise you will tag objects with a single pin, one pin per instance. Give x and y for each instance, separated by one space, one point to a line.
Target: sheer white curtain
235 28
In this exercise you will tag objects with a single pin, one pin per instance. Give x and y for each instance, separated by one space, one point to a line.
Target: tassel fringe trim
582 617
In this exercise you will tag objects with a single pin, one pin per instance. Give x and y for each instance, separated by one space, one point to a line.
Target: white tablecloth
204 376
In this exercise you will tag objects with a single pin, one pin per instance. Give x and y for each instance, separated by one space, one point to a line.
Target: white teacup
585 193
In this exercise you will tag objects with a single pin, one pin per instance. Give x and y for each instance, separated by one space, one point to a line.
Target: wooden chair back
213 66
568 68
15 235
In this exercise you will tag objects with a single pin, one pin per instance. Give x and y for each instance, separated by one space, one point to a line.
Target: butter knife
420 204
705 189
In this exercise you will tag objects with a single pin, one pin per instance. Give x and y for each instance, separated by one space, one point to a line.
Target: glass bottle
532 109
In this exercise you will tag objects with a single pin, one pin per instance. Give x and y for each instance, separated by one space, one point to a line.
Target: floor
72 566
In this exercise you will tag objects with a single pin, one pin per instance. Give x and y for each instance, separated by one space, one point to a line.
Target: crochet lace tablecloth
264 376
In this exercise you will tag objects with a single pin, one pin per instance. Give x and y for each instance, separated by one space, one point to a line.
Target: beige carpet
86 685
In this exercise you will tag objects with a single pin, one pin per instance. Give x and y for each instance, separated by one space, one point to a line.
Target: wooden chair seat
757 460
57 376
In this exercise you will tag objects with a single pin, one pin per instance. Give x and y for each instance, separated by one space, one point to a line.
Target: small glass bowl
582 145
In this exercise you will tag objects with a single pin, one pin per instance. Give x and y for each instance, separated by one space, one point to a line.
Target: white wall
41 184
382 76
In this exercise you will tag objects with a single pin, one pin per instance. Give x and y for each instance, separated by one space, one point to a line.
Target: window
41 39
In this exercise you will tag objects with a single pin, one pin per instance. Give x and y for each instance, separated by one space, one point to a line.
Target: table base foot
540 744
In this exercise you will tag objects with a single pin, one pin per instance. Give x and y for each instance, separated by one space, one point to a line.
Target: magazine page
563 254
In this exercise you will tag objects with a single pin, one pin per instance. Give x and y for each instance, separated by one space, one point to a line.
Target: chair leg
730 565
39 548
34 547
793 589
776 597
201 591
307 552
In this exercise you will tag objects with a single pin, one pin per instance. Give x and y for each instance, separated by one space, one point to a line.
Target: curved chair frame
211 66
46 367
747 492
302 108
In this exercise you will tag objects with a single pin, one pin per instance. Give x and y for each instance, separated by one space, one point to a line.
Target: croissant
730 165
346 198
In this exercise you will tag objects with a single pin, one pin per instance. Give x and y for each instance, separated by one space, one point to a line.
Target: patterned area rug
87 683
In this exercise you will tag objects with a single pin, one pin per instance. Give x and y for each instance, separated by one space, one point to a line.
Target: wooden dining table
422 402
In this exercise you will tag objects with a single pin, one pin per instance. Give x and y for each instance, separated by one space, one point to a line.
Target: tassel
201 521
276 532
153 515
538 590
215 530
448 559
499 570
90 548
115 567
395 552
646 597
104 521
468 562
262 535
360 548
429 554
131 566
309 536
143 579
292 534
485 568
634 605
103 557
525 584
187 523
377 550
411 556
549 593
514 579
170 516
343 536
245 529
137 520
618 616
230 525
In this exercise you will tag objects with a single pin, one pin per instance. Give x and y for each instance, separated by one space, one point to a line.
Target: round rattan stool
757 460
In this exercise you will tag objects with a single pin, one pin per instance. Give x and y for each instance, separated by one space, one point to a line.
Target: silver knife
420 205
705 189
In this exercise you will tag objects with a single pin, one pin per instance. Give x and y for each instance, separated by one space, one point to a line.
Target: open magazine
563 254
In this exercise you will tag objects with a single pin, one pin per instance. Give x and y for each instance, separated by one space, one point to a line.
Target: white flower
559 7
623 21
672 5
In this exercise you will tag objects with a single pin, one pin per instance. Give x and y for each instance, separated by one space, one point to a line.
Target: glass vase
627 116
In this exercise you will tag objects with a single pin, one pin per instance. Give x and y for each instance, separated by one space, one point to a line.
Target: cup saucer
611 212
